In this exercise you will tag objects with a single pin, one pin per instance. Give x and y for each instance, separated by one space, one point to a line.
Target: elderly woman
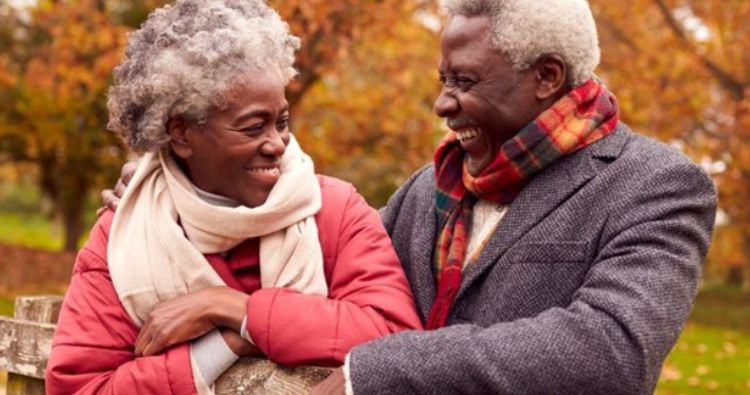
225 244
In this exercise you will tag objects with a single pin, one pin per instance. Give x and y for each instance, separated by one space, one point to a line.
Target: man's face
483 99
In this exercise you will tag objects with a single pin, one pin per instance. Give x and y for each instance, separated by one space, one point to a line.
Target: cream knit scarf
162 228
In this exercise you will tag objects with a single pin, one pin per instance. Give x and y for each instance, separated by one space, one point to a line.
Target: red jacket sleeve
368 295
92 349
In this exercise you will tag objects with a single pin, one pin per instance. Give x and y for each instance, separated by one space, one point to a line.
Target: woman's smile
267 175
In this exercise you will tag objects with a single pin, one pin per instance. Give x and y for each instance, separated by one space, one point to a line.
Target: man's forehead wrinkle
460 59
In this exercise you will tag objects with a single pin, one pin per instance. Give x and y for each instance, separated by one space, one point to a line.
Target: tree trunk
72 224
734 276
73 199
740 275
66 181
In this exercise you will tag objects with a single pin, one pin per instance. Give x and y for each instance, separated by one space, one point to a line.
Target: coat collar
543 194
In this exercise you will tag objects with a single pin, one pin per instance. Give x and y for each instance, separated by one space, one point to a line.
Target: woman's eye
282 124
252 130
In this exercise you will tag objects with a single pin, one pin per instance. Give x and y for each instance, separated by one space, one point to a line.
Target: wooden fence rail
26 339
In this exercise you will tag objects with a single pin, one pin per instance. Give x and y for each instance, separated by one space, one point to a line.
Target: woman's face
237 152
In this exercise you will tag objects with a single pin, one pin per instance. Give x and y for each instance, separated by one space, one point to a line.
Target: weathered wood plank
40 308
32 345
24 346
261 376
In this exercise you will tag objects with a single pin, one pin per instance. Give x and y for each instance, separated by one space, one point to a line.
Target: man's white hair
185 59
525 30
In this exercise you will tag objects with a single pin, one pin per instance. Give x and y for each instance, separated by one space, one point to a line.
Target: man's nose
445 104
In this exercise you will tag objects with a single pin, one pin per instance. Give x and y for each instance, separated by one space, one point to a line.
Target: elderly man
549 248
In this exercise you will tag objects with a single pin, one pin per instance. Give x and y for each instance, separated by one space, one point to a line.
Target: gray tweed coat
583 288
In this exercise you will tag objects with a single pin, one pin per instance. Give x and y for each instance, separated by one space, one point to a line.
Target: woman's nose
276 144
445 104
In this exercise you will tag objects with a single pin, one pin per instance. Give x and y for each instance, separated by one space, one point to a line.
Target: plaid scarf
583 116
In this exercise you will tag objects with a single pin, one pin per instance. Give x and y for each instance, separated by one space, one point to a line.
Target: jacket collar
542 194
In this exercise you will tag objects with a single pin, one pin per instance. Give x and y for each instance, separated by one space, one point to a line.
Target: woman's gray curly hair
184 59
525 30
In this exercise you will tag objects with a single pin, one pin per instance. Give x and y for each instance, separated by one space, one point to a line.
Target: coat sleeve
611 338
390 212
368 296
92 348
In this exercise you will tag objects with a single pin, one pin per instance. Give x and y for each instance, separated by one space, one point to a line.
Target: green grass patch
707 360
24 221
6 307
723 307
712 355
29 230
19 197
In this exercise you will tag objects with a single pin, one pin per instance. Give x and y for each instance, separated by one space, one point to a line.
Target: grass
29 230
712 355
707 360
6 306
23 220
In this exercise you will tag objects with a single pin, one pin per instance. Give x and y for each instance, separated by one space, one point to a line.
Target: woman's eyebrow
258 113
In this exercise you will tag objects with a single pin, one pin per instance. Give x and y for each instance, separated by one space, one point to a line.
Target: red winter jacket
92 349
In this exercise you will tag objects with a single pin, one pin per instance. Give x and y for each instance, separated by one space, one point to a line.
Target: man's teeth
467 134
270 170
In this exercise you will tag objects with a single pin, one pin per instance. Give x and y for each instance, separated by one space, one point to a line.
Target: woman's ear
177 129
551 74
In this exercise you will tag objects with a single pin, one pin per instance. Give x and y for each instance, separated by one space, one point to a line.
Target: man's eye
464 82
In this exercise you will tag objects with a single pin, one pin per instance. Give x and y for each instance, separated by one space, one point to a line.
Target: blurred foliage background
362 107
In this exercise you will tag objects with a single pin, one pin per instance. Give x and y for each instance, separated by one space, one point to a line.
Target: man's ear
551 75
177 129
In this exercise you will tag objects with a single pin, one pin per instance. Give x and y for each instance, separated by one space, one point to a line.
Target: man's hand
190 316
111 197
333 385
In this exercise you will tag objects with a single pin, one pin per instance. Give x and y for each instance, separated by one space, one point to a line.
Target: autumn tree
368 116
681 70
57 64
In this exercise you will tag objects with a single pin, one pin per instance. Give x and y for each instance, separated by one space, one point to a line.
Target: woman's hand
190 316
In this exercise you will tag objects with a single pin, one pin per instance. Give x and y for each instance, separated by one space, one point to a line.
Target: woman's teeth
267 170
467 134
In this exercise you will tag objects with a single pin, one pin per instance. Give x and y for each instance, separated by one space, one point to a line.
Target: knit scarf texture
583 116
162 229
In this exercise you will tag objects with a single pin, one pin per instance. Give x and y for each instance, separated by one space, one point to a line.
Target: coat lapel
422 276
542 195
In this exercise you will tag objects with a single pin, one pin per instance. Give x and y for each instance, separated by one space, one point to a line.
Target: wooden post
25 342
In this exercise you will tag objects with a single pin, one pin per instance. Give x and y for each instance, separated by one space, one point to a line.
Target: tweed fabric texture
581 117
583 288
